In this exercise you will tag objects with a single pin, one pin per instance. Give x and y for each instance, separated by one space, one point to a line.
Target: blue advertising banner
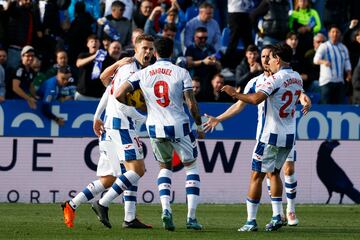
322 122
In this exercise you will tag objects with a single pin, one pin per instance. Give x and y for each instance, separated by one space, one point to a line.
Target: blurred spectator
113 55
129 8
305 21
196 86
22 80
39 75
22 29
312 70
8 74
333 58
297 57
129 51
149 27
275 23
79 30
2 84
89 63
3 23
175 16
92 7
115 26
238 12
354 49
142 13
204 19
351 42
105 42
169 31
216 95
201 60
53 89
340 13
248 68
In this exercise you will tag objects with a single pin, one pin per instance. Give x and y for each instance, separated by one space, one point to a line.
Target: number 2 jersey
276 115
163 85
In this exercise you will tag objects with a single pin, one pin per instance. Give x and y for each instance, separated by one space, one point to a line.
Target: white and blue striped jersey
338 56
276 115
163 85
115 118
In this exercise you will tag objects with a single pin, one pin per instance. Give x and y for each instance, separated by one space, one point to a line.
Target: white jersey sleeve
102 104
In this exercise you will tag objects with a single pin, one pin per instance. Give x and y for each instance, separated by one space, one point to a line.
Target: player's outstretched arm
234 109
194 110
106 75
305 102
253 98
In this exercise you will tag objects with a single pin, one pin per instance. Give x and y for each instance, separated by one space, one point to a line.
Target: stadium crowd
57 49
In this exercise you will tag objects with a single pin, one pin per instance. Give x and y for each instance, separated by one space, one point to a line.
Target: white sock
192 187
130 203
252 208
122 183
290 188
276 203
164 186
87 194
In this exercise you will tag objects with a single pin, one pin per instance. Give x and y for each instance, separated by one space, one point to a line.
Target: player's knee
189 166
289 169
257 176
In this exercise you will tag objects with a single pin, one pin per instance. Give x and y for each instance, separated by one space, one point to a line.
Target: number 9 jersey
276 115
163 85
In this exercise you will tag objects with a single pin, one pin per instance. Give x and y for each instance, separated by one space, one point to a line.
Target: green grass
45 221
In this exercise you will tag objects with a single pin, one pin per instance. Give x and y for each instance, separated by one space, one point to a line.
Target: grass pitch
45 221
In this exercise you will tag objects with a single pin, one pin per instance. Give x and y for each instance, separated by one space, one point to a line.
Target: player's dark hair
283 51
164 47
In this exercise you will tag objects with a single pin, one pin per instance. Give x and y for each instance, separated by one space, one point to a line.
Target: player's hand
231 91
124 61
32 103
98 127
306 102
210 124
327 63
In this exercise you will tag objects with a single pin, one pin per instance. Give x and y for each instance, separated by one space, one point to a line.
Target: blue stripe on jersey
125 136
116 122
291 185
164 192
273 139
169 131
252 89
328 56
126 181
275 91
192 190
133 188
256 165
130 154
195 152
131 123
103 136
294 155
195 177
263 119
255 201
88 194
130 198
260 148
276 199
122 168
289 140
186 129
336 61
135 84
152 132
192 137
162 180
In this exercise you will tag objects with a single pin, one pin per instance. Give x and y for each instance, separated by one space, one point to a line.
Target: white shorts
185 147
292 155
267 158
117 146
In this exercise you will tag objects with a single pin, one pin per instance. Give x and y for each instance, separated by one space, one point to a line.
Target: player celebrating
122 143
106 175
275 134
164 86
